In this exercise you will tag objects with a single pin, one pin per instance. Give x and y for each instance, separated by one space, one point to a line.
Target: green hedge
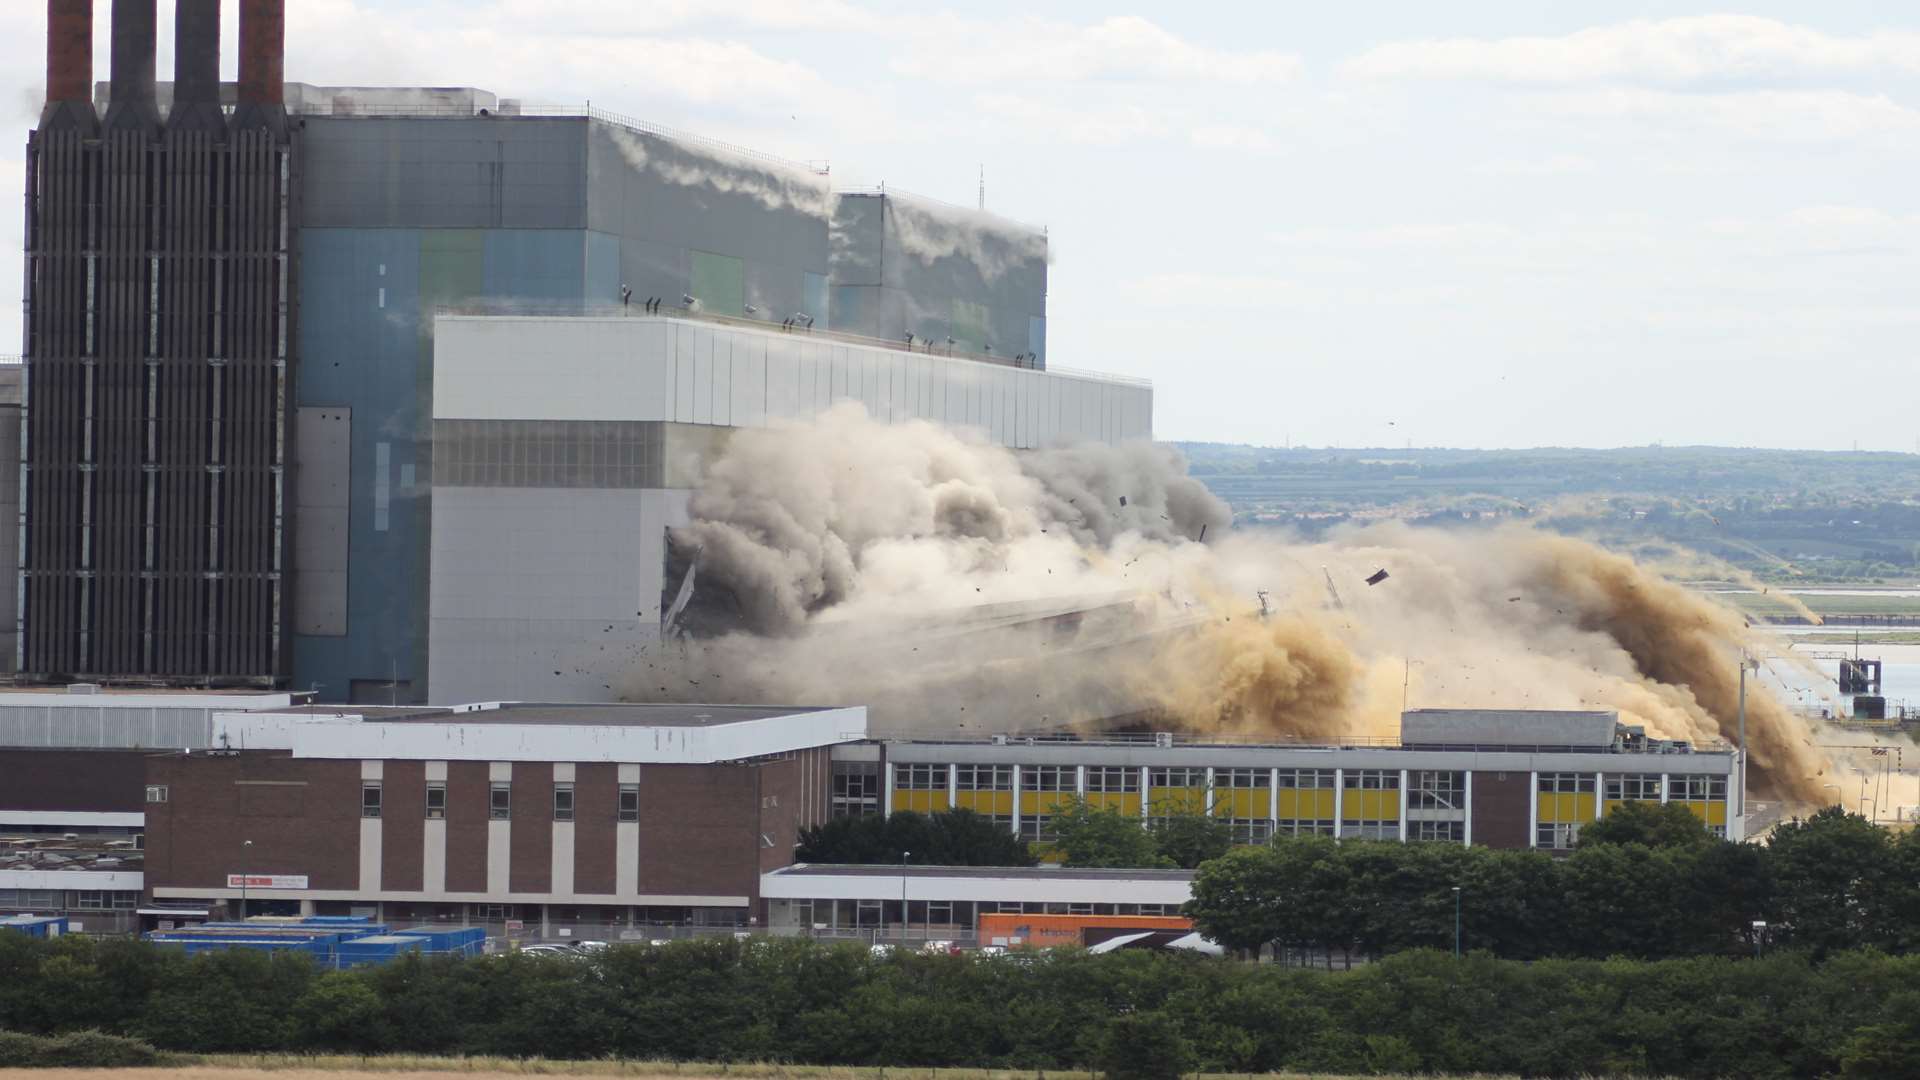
1784 1015
74 1050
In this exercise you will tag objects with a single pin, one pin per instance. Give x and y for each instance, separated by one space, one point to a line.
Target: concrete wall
653 368
545 593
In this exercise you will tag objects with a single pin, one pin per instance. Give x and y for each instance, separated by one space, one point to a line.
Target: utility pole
244 845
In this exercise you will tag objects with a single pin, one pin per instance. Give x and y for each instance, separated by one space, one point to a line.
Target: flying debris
1377 577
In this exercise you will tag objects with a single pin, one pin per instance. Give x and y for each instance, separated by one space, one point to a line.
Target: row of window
1121 779
959 914
499 801
1681 787
43 900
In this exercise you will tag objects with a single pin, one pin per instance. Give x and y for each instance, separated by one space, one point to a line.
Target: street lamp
1456 922
903 896
1759 935
244 845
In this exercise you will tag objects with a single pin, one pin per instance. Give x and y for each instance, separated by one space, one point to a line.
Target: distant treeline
1132 1014
1648 881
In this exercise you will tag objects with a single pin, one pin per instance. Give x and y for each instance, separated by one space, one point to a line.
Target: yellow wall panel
1045 802
1114 800
1178 800
985 802
1306 804
920 802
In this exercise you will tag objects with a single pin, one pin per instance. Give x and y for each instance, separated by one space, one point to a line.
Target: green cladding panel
719 282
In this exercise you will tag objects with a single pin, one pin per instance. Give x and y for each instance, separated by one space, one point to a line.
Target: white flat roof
806 881
670 735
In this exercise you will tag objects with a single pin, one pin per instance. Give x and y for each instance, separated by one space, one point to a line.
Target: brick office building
548 814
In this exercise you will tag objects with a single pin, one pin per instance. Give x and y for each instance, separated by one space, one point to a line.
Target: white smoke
952 584
931 231
695 165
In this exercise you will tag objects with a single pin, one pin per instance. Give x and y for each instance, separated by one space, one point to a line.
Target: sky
1476 224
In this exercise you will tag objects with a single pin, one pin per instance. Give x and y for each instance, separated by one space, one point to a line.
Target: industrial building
246 410
608 819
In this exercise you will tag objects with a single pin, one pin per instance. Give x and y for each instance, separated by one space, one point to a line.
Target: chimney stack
196 67
130 100
69 66
263 47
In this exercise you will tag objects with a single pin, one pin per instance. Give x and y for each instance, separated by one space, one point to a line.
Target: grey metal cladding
484 172
548 453
322 461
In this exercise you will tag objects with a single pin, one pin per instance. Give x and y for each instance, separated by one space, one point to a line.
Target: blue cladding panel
813 293
365 339
534 265
603 270
360 348
1037 337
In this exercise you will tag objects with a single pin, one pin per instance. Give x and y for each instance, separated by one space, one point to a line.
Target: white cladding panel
1028 888
656 368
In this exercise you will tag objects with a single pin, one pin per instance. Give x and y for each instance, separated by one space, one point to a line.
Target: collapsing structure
157 355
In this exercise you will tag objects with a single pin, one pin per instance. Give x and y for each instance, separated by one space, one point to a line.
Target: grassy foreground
410 1066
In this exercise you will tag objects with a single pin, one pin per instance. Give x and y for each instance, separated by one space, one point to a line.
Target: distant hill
1780 513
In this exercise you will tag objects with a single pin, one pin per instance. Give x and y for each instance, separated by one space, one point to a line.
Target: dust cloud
956 586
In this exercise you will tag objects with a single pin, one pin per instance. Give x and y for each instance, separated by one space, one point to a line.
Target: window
370 799
1049 778
856 788
1557 835
1433 790
1566 783
1685 788
1178 778
1306 778
1635 787
629 802
1037 829
1112 780
156 793
563 802
1304 827
1243 778
986 778
1250 830
920 777
1372 779
500 802
490 911
1446 831
436 801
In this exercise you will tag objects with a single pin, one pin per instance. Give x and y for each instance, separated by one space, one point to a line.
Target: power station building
608 818
274 329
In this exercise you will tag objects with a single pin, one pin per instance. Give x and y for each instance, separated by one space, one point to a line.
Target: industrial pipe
196 68
69 65
263 49
130 97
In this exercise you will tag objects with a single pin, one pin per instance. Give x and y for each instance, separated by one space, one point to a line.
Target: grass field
1770 605
411 1067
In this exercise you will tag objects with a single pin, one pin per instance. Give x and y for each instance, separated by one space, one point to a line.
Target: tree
1144 1047
1651 824
1831 873
949 838
1092 836
1189 839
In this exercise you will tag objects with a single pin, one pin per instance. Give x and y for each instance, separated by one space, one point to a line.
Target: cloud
1553 165
1672 52
1233 137
1119 48
1814 116
1097 124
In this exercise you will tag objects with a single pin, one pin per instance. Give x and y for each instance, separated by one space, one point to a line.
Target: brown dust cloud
954 586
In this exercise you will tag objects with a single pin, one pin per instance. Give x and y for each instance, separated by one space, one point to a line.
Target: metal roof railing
550 309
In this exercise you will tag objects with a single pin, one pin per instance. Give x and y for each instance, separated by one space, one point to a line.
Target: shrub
95 1050
1144 1046
19 1051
